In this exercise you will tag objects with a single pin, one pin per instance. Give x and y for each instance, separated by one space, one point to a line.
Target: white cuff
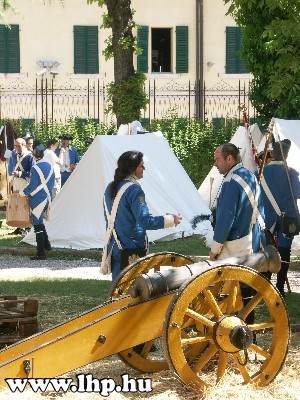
168 221
216 247
21 193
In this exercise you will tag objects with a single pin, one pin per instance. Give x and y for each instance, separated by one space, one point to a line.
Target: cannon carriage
195 312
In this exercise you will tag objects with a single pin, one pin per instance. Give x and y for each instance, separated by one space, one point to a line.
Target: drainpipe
199 60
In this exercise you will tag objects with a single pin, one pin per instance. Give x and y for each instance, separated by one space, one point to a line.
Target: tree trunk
120 13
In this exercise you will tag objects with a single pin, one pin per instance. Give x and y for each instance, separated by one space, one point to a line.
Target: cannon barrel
153 284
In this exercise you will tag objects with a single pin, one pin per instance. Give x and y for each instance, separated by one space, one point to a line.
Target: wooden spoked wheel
207 314
142 357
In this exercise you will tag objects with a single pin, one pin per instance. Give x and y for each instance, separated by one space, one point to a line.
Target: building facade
52 66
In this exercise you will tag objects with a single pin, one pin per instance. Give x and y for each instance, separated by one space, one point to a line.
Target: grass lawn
61 299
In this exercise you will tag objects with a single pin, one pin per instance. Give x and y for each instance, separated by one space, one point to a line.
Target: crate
18 319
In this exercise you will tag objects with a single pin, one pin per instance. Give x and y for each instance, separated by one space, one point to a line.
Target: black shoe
38 257
18 231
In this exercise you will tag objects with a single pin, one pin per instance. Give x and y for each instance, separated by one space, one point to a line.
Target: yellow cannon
194 311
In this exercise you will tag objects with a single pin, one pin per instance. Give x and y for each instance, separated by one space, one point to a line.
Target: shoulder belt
253 200
111 218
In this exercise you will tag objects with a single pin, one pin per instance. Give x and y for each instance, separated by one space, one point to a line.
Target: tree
127 91
271 43
5 5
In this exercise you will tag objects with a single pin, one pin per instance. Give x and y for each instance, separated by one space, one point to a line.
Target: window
234 64
9 49
162 49
86 58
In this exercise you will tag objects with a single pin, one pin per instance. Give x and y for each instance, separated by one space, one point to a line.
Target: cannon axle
231 334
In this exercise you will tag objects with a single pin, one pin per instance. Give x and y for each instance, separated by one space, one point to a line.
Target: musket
268 139
247 127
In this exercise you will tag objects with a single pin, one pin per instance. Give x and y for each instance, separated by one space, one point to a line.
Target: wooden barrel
18 211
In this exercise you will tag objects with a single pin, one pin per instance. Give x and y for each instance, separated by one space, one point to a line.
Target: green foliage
79 128
128 98
194 143
271 44
6 5
125 41
189 246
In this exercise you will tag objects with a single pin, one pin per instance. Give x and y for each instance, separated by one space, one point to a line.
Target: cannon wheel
198 316
141 358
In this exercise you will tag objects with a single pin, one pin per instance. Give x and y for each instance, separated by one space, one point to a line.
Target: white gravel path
21 267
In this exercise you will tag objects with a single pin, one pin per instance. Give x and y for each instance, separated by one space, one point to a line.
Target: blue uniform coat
277 181
74 159
41 196
234 212
132 221
27 162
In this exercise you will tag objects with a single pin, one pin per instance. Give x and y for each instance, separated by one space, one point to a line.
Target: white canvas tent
77 219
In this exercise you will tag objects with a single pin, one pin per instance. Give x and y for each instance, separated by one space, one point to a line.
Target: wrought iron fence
49 102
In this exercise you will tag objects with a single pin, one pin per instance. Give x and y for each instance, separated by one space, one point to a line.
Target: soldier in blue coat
239 225
276 179
20 162
132 217
70 157
39 191
19 165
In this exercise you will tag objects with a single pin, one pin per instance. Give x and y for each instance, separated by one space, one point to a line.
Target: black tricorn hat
65 137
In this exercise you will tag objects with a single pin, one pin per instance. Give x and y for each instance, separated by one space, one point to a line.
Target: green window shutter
142 59
182 49
92 50
2 49
233 45
86 59
79 50
9 49
13 45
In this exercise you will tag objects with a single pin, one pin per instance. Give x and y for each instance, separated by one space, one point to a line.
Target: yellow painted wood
76 343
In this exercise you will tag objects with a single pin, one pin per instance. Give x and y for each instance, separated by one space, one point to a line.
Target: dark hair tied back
127 163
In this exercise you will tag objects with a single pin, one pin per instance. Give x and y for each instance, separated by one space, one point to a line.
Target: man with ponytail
126 213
